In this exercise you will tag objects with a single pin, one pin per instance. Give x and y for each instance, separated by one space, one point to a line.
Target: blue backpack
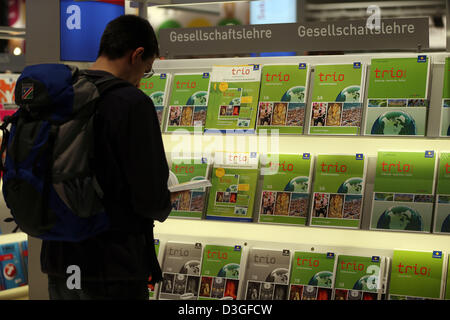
48 179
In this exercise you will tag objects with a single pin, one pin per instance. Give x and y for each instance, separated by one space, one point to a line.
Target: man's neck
115 67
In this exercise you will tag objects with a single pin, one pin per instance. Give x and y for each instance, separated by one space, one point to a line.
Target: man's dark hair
127 33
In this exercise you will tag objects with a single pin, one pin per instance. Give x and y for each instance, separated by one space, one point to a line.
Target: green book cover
220 272
442 206
398 96
151 288
336 103
447 283
233 99
267 274
234 180
189 203
181 271
416 275
338 190
286 186
358 278
445 110
403 191
157 87
282 98
312 276
188 102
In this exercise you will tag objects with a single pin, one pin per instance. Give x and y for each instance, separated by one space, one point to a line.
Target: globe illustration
366 283
230 270
157 98
191 267
279 275
232 188
349 94
198 99
351 186
294 94
394 123
446 224
235 102
321 279
298 184
400 218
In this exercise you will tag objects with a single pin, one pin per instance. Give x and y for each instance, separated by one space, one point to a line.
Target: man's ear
136 55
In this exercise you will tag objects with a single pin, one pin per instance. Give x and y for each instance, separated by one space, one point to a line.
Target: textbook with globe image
359 278
152 289
234 180
404 191
233 99
181 271
312 276
442 205
417 275
157 87
267 275
336 106
189 203
220 273
188 102
338 190
445 107
286 186
398 96
282 98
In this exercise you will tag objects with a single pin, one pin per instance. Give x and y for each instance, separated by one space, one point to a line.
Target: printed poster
157 87
337 98
188 102
282 99
358 278
416 275
233 99
445 106
181 271
234 180
398 96
189 203
7 87
7 94
442 206
338 190
286 188
312 276
267 274
403 191
220 272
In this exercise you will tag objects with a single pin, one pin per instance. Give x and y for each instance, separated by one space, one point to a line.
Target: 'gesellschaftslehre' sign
407 33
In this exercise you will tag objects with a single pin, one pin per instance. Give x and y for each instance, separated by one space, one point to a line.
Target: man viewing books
131 168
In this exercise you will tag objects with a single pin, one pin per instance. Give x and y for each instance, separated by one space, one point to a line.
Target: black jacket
131 168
